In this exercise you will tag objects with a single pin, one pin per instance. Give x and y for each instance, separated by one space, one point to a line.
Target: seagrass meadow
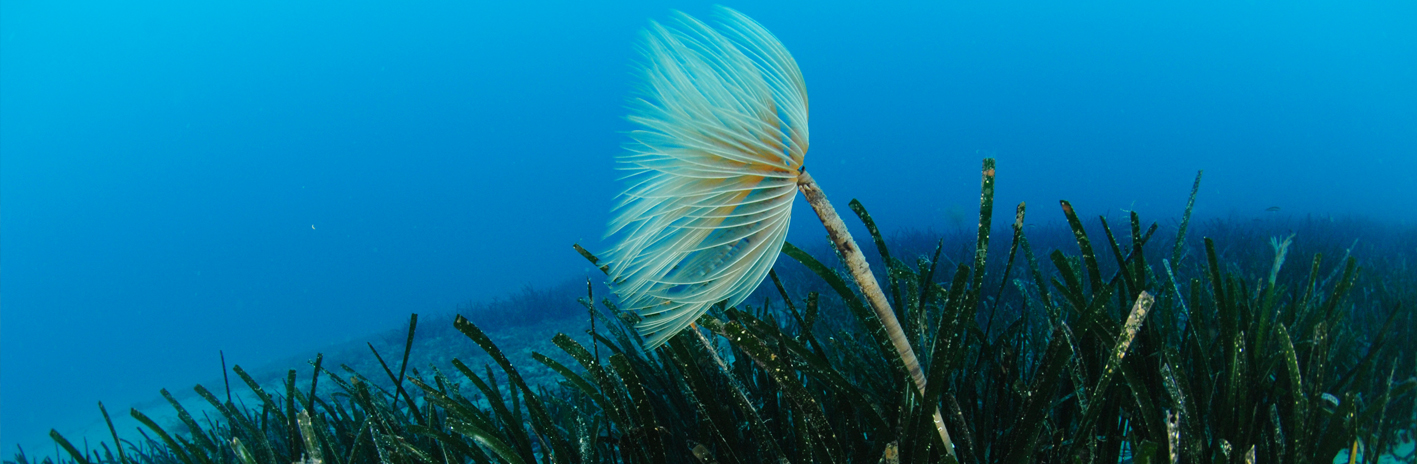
1106 339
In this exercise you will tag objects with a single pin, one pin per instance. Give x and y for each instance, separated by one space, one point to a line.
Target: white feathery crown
712 170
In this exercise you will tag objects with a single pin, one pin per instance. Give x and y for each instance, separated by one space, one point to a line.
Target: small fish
1272 209
629 317
701 452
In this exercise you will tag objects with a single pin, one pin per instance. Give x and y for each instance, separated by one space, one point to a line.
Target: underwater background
269 178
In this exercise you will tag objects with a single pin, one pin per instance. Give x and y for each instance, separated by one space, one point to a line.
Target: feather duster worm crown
712 170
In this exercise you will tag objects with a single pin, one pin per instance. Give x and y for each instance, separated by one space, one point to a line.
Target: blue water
265 177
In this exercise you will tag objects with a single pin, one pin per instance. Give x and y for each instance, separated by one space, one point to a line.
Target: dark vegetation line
1126 342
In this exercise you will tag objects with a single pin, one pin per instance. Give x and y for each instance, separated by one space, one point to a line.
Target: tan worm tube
861 271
